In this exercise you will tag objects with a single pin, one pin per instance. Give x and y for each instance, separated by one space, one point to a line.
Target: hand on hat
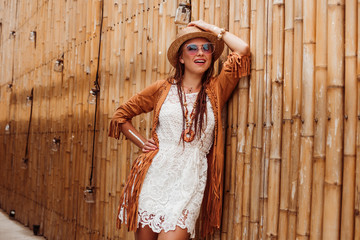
205 26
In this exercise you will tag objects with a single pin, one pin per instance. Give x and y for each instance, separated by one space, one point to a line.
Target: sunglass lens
206 47
192 48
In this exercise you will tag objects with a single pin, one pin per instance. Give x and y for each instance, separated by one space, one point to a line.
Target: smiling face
196 61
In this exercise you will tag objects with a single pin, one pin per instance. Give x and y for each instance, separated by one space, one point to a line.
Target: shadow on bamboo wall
292 168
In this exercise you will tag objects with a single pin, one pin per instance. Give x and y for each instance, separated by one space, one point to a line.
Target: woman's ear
181 60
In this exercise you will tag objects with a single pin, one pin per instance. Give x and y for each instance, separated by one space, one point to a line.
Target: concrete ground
13 230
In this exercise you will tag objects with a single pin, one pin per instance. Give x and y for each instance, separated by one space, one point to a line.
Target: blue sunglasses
207 48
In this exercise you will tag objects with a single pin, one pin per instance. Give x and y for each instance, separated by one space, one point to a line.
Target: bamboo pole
230 188
242 119
59 176
147 53
104 185
287 117
233 176
266 131
67 114
102 174
334 147
256 151
241 135
227 176
276 120
357 163
118 145
245 219
357 178
81 123
350 106
234 108
296 121
162 37
38 114
320 122
254 193
50 114
307 117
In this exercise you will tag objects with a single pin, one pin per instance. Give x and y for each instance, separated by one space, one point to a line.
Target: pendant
188 135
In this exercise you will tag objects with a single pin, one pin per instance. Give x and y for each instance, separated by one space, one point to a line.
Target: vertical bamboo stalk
320 122
348 194
245 220
266 131
257 141
50 108
66 119
195 10
41 117
231 188
296 123
334 141
233 127
104 17
357 163
79 164
239 181
163 24
246 189
242 119
357 175
101 167
307 115
120 178
276 120
286 114
228 170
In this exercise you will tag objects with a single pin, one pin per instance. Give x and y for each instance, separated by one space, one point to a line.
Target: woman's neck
191 80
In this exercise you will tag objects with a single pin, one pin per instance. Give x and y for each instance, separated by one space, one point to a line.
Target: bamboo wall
292 145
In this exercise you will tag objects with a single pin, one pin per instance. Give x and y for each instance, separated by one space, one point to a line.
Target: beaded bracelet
220 35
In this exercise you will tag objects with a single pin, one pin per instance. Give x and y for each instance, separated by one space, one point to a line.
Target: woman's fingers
149 145
197 23
204 26
146 148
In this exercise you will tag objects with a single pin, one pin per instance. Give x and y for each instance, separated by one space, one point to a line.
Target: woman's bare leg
177 234
145 233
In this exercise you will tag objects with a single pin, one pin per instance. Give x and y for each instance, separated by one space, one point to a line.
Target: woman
180 170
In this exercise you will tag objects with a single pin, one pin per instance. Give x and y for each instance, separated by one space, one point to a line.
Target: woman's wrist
219 32
215 29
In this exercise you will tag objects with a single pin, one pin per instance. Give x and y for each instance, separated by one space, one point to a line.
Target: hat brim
176 44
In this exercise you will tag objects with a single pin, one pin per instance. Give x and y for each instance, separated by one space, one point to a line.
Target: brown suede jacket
151 99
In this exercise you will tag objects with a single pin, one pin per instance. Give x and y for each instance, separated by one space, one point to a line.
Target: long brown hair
200 110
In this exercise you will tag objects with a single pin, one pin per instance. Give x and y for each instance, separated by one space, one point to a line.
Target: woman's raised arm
235 43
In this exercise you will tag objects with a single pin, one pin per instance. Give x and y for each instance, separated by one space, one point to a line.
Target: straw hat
188 33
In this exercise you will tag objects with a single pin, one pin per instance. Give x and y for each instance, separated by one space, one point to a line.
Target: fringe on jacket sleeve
239 66
115 128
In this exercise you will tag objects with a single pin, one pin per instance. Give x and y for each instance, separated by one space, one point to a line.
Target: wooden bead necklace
188 134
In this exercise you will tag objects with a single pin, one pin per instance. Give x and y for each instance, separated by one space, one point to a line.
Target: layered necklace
188 134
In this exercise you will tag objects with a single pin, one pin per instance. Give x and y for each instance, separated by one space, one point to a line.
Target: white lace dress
174 186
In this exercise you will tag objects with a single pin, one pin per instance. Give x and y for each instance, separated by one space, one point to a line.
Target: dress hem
192 236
